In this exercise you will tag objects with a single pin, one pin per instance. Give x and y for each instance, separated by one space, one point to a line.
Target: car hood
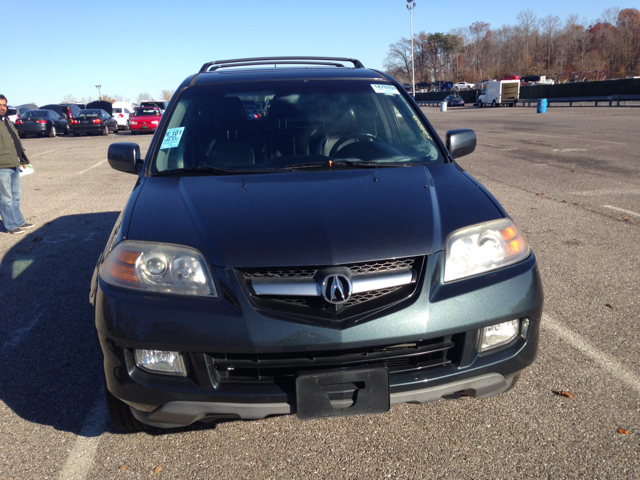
310 218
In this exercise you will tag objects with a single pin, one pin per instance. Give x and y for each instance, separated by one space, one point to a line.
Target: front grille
282 368
309 272
315 306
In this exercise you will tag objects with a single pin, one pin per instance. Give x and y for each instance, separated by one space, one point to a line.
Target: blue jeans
10 194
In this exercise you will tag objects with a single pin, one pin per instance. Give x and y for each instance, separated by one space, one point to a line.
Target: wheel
106 130
354 138
480 103
116 130
67 130
52 132
493 104
121 415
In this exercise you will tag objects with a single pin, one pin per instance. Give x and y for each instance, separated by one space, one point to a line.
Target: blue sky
54 48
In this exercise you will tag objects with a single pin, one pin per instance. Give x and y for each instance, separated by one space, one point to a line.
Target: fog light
497 335
161 361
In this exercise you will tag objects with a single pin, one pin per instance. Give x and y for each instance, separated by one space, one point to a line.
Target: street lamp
410 7
99 96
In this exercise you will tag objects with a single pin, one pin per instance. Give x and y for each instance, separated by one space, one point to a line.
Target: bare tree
143 96
167 94
550 26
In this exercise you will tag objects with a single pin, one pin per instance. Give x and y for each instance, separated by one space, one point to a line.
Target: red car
511 77
145 119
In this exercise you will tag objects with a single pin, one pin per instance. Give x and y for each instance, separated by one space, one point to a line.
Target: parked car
444 86
161 104
65 111
122 112
93 121
145 120
511 77
454 101
252 112
462 86
41 122
482 84
12 113
332 262
530 79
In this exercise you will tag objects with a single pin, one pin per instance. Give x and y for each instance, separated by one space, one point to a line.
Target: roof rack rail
244 62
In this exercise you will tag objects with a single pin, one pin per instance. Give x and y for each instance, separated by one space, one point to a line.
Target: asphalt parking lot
569 178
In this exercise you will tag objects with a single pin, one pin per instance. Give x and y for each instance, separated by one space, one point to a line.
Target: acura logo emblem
336 288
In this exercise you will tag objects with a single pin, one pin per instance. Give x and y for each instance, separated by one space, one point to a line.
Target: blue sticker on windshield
385 89
172 138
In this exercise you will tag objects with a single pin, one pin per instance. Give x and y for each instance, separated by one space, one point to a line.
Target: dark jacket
9 157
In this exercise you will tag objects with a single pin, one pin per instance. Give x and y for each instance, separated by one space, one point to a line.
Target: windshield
304 123
143 112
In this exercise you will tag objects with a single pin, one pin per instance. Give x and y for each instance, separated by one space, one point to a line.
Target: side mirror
125 157
460 142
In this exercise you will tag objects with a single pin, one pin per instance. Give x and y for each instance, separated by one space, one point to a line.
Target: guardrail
571 100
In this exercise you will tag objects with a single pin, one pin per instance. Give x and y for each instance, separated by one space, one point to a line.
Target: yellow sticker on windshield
421 127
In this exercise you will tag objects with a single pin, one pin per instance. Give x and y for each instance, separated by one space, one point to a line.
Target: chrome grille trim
310 288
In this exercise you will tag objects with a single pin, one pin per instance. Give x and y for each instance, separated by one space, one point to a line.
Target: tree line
533 46
164 95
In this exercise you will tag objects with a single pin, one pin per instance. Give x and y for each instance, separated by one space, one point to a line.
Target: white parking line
578 139
622 210
97 164
32 155
81 457
577 341
20 334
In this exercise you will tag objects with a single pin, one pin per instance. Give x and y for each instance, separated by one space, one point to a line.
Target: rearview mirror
461 142
125 157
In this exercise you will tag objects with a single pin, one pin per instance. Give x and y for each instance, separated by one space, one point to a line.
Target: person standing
11 157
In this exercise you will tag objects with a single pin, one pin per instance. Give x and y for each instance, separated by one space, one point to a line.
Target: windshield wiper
197 171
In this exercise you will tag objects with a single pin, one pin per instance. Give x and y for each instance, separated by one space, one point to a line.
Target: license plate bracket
342 393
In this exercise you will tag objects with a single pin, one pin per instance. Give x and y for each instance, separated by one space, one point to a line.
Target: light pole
99 96
410 7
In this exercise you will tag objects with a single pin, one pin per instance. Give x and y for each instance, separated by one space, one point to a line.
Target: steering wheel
354 138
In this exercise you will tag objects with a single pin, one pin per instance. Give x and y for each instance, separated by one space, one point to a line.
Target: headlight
482 248
155 122
133 122
158 267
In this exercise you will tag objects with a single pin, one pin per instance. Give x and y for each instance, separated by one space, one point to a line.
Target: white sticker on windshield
385 89
172 138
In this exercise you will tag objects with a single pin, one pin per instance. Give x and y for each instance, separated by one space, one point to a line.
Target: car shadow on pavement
50 358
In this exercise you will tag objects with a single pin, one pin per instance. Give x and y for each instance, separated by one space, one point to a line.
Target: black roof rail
244 62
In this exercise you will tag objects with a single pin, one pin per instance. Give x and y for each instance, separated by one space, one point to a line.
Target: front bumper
452 313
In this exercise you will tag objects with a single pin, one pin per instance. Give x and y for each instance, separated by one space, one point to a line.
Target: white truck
500 92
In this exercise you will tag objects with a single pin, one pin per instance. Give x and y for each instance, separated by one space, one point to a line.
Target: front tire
479 103
106 130
52 132
493 104
121 415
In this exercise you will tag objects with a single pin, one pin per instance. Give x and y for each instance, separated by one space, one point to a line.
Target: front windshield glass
304 123
145 112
